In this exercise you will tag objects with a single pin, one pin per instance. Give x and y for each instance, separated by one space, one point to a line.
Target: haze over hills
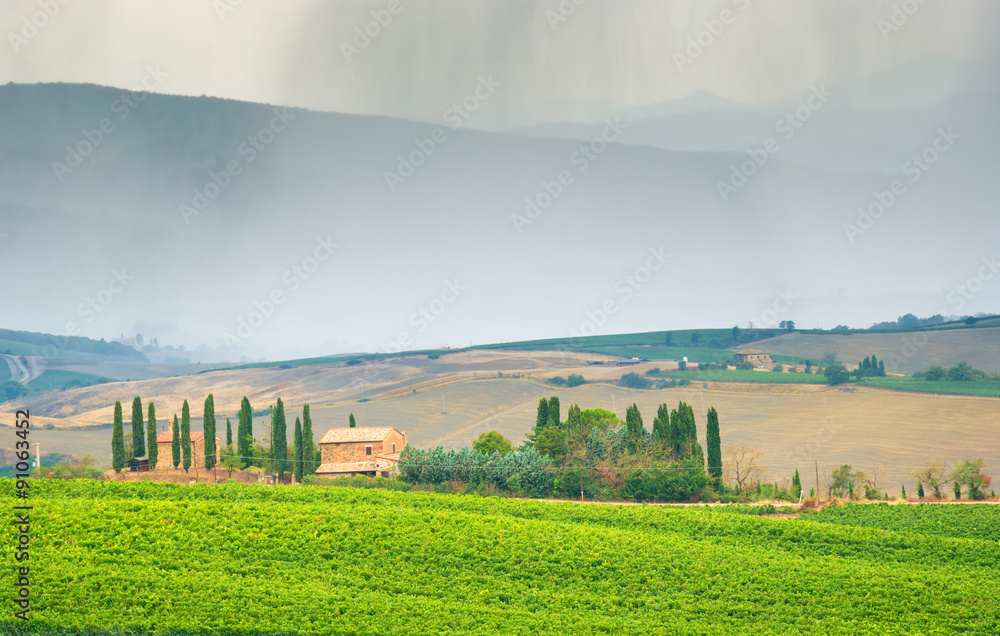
460 228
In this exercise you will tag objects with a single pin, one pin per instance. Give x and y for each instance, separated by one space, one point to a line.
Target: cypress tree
186 435
351 422
796 484
542 417
299 467
759 490
958 490
881 368
279 440
920 490
209 427
229 432
310 461
714 441
175 444
676 433
661 426
244 434
138 429
904 491
154 448
553 412
633 427
118 440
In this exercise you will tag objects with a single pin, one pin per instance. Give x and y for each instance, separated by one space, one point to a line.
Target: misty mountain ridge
327 177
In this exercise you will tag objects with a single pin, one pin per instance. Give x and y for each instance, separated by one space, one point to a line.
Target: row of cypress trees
304 459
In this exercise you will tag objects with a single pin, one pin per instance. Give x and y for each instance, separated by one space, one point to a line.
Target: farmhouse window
368 450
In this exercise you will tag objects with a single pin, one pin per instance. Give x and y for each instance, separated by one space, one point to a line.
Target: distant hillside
27 343
903 351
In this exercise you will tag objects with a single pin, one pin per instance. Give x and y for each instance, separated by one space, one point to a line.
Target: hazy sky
431 52
901 70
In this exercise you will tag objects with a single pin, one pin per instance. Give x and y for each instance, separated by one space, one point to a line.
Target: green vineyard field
148 558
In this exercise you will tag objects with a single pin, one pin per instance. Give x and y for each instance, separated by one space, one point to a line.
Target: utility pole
817 478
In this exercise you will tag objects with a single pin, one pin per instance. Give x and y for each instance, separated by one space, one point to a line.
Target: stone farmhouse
164 442
756 357
372 451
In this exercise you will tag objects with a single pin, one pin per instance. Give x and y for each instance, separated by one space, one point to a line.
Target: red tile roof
363 434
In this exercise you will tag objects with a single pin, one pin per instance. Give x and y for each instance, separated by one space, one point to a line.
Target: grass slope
57 380
239 559
985 388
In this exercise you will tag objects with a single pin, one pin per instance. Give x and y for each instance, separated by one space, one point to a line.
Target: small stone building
756 357
164 446
360 451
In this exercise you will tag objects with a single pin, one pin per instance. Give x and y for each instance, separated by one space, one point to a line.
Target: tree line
301 460
590 454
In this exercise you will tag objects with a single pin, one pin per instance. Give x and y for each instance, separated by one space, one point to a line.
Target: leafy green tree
836 374
635 381
969 473
138 429
175 444
490 442
244 434
209 427
279 440
154 448
574 379
118 440
842 482
231 460
934 474
714 442
936 373
551 442
553 412
961 372
299 467
350 421
186 435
